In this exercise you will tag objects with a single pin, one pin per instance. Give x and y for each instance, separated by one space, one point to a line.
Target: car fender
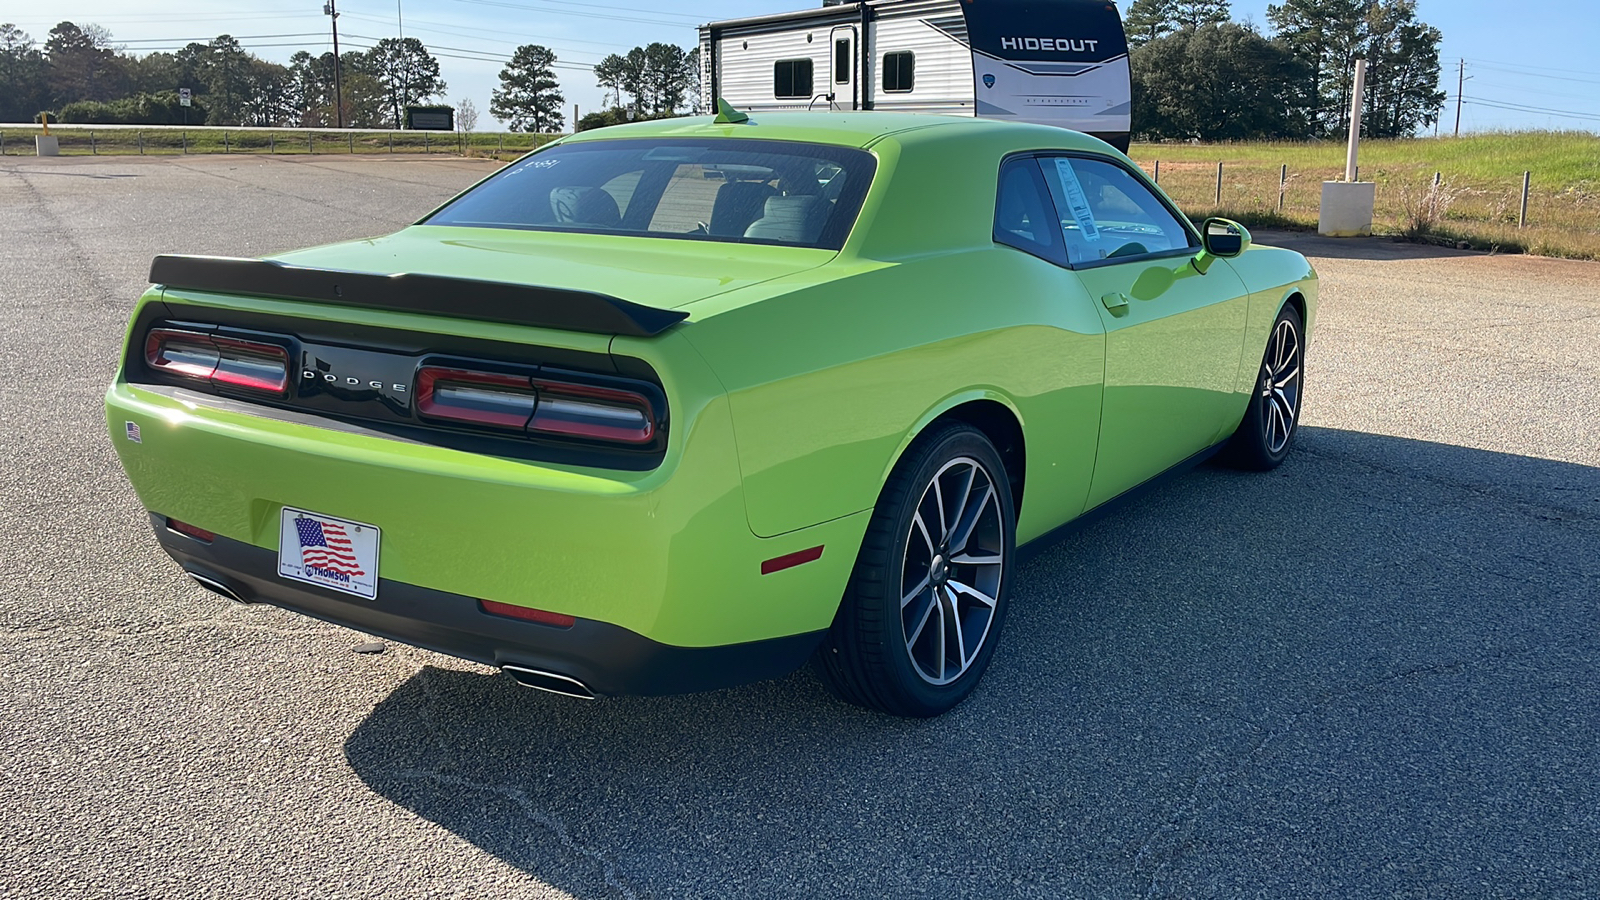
939 410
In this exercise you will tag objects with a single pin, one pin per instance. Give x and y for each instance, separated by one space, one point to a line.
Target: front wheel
921 617
1263 439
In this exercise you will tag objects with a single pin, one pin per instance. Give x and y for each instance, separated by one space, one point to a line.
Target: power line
587 5
1518 107
1493 68
562 12
515 42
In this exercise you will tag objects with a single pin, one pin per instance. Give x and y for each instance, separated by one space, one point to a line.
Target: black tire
866 658
1266 435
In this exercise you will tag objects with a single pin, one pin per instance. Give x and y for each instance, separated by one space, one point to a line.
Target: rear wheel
1273 419
922 614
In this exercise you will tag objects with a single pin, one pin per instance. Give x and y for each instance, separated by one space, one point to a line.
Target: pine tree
529 98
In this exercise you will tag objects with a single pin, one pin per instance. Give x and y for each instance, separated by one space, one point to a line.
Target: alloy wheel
1280 386
951 573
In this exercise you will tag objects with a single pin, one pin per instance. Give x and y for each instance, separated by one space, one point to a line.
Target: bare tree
466 115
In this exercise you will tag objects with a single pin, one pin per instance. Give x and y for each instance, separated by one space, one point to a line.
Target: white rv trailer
1055 62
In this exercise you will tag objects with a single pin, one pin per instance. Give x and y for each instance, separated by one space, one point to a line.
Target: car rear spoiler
467 298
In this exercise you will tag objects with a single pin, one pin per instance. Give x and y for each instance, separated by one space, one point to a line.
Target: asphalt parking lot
1372 673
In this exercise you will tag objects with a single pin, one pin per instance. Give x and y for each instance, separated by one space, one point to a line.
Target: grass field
1478 200
124 142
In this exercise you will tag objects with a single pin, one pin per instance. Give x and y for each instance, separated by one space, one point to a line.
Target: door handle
1116 301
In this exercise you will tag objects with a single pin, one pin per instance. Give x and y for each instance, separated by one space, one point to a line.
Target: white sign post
183 97
1347 205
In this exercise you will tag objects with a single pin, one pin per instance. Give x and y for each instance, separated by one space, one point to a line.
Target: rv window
791 79
899 71
841 62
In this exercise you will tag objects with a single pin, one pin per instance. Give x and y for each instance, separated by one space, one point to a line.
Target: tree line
1198 75
80 76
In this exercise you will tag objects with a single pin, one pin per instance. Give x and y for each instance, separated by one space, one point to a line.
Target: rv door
844 68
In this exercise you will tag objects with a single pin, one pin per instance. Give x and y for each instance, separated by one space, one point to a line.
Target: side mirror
1223 239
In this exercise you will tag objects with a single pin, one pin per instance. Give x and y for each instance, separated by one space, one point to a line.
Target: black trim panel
606 658
463 298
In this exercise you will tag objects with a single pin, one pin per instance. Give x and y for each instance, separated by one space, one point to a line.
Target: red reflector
790 560
532 615
184 528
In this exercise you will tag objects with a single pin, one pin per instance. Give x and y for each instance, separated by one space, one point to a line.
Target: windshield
744 191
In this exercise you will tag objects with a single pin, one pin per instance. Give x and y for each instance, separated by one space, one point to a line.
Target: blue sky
1531 64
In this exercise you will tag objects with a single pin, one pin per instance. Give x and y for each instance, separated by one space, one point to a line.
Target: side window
791 79
842 62
1023 214
899 71
1106 213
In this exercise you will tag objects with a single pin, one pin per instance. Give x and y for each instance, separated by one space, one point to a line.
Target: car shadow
1379 249
1370 671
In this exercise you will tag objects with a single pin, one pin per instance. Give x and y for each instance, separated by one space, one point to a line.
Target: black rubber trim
606 658
461 298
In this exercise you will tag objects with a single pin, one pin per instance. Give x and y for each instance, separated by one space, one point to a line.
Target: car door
1173 335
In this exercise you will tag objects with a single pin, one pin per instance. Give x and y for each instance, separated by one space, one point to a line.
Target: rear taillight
536 405
476 398
596 413
217 360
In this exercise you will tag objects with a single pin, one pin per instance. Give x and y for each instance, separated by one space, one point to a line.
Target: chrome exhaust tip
217 587
548 681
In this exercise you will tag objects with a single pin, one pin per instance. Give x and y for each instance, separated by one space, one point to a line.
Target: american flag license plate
336 554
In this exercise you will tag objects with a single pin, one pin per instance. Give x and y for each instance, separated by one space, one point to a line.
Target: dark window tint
841 62
791 78
772 192
899 71
1024 217
1106 213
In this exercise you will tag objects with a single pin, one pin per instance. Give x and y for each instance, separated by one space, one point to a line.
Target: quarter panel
826 382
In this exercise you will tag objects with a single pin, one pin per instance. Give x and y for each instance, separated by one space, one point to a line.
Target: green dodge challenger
678 405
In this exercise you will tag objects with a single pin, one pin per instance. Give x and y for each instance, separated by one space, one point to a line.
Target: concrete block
1347 208
46 145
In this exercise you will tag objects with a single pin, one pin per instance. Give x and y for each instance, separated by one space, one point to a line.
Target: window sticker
1077 201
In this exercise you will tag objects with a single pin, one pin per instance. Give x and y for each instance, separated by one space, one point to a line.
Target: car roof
845 129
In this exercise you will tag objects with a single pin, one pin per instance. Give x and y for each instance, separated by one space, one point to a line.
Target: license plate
336 554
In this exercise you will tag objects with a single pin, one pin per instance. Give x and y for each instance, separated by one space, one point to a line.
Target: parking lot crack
531 811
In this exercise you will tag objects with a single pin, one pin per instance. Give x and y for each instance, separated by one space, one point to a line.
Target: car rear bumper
666 555
604 658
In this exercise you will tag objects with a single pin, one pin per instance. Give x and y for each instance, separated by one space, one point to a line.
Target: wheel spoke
1282 427
961 510
967 559
974 593
964 529
957 631
1282 399
1284 381
922 623
943 626
921 586
917 520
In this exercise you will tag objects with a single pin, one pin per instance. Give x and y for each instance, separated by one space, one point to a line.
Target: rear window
742 191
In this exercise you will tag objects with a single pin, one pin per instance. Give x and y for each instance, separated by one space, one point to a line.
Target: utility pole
331 10
399 20
1461 86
